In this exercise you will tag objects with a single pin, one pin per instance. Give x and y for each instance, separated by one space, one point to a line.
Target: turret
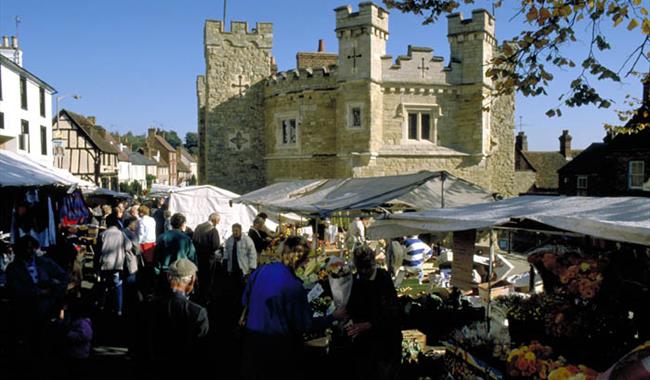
472 45
362 39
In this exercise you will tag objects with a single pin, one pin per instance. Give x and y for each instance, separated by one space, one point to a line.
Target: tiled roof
587 162
188 156
546 165
11 65
164 143
139 159
93 132
181 167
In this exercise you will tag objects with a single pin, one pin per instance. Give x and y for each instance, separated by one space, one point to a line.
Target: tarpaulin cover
198 202
418 191
20 170
625 219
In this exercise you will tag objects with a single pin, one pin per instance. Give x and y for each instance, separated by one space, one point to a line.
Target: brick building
536 171
620 165
353 113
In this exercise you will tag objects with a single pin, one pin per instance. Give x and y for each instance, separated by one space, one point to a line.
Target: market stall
198 202
596 270
324 198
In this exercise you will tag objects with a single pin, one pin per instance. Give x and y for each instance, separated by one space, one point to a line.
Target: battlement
418 65
297 80
369 14
240 27
262 34
301 74
481 21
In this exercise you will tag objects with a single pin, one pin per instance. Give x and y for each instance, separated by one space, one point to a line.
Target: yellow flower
584 267
561 373
513 353
529 356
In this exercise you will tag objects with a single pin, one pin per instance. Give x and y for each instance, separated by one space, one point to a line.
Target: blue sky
135 62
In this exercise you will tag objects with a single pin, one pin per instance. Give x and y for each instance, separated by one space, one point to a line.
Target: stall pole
315 235
442 190
490 261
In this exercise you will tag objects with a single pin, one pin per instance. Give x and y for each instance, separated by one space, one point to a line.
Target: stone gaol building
357 113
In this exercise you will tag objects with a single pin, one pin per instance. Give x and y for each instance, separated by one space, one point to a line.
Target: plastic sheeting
419 191
21 170
198 202
625 219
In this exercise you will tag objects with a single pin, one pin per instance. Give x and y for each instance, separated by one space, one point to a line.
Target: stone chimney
565 144
521 142
92 119
151 132
11 50
321 46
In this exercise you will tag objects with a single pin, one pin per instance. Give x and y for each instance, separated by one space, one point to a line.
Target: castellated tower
231 101
472 44
367 115
362 39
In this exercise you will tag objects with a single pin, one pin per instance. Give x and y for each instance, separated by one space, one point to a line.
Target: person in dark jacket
36 286
259 236
207 243
177 326
278 315
373 308
158 214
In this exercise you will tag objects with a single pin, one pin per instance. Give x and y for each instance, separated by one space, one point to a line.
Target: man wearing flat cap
177 325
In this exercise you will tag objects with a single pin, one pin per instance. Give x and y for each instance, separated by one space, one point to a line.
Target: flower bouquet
573 372
340 280
532 361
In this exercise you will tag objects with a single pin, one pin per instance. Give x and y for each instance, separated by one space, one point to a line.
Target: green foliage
150 180
134 142
134 188
191 140
192 181
525 63
172 138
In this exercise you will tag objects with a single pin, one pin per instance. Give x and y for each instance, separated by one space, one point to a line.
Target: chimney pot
14 42
5 41
321 46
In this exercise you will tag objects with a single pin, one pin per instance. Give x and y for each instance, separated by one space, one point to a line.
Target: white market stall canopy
324 197
198 202
625 219
22 171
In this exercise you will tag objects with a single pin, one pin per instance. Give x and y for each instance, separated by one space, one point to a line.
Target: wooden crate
498 289
416 335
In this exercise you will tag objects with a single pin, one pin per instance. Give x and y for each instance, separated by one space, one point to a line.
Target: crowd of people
178 292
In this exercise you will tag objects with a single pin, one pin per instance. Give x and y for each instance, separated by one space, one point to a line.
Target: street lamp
58 143
58 99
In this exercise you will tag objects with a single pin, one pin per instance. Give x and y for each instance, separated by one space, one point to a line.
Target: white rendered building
25 107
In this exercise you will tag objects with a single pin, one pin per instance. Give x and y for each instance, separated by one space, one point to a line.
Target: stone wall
238 62
201 95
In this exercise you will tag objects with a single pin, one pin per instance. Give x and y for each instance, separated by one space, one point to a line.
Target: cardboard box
416 335
498 289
